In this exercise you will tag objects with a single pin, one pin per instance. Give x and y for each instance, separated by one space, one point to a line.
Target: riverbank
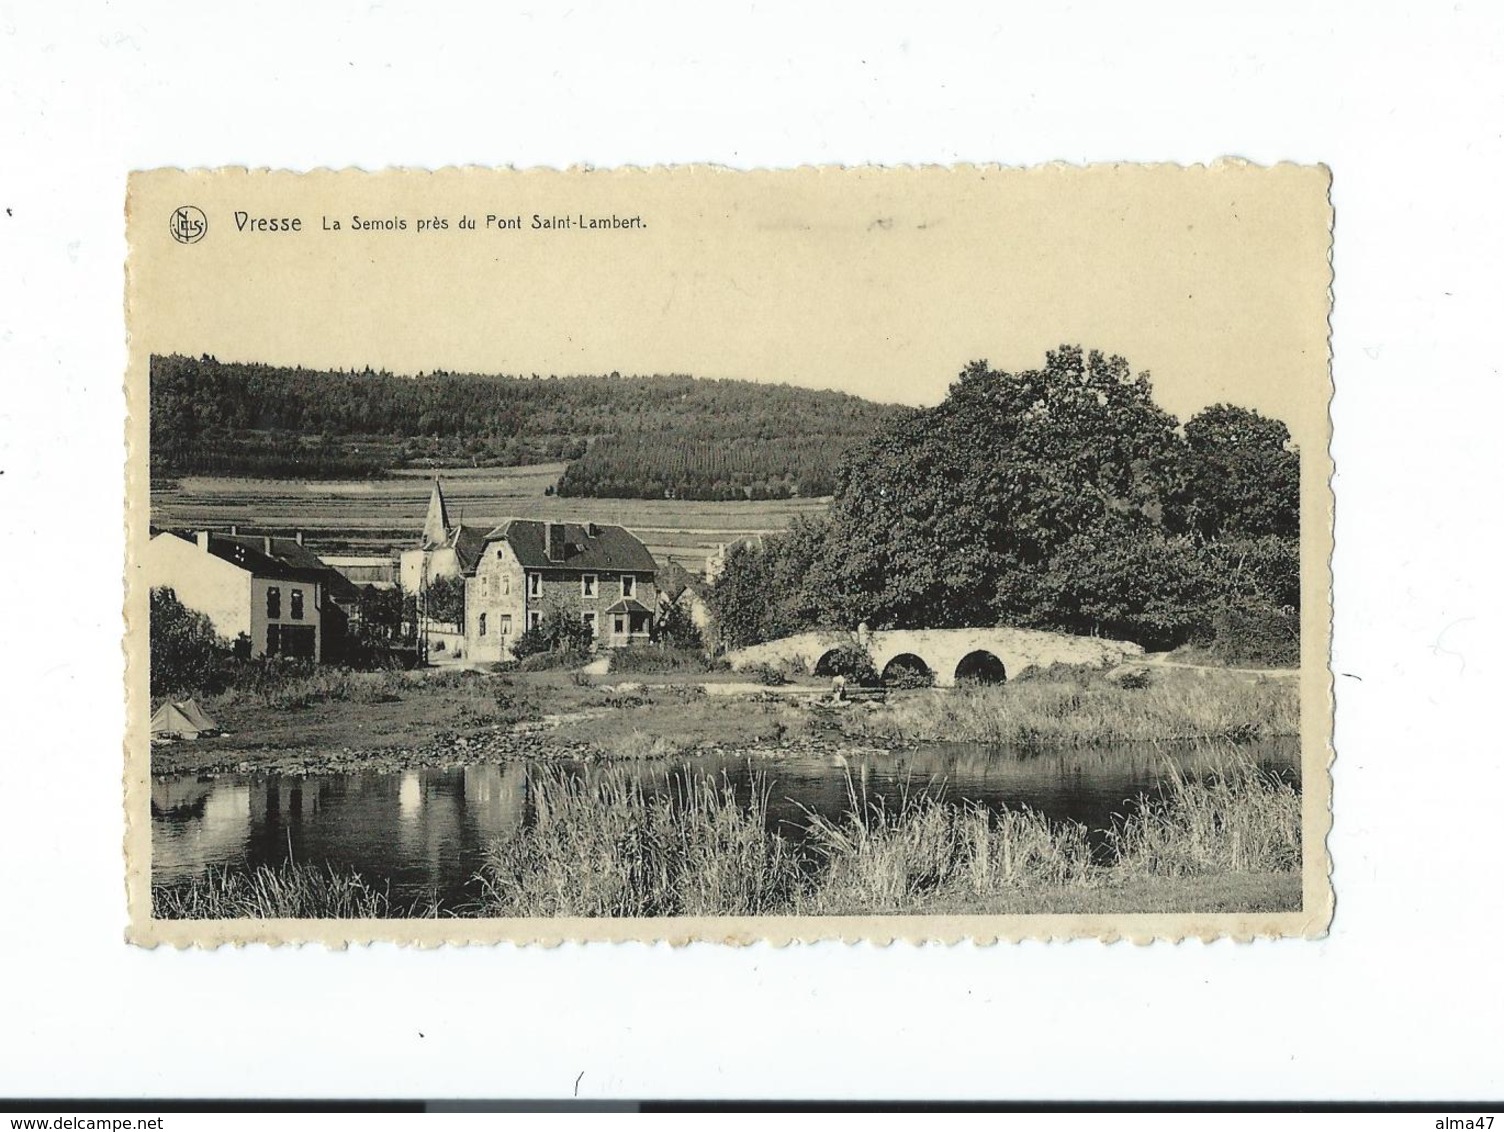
336 720
603 844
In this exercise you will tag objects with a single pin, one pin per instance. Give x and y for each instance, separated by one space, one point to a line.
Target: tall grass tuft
1234 818
1084 708
886 857
602 845
272 892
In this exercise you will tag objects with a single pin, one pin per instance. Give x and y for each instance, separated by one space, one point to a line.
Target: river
422 832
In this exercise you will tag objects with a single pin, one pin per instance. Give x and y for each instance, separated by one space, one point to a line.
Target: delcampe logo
188 224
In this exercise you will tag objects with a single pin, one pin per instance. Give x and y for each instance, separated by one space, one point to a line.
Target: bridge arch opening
908 670
825 665
980 667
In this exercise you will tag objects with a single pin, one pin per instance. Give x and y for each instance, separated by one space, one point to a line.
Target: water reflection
423 832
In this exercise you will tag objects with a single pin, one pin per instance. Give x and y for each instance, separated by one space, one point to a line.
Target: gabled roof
627 605
289 560
469 544
250 553
585 546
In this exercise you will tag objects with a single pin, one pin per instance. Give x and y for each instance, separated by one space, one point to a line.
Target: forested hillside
628 436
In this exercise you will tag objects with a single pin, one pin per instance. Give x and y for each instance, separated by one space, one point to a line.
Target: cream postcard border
144 218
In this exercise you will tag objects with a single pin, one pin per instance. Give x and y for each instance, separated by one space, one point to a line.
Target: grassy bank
602 846
1083 707
287 891
331 719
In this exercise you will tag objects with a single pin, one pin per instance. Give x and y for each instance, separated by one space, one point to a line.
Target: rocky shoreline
528 743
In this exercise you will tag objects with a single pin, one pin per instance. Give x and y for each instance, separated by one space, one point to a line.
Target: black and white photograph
697 545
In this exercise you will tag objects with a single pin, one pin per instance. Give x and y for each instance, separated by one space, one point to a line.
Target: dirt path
1161 662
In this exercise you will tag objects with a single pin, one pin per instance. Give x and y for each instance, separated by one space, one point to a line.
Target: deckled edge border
1317 692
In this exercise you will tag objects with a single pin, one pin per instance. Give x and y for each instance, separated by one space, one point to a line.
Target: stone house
271 590
528 569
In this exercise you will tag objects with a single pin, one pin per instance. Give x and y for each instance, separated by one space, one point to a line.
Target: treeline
1060 498
254 419
644 466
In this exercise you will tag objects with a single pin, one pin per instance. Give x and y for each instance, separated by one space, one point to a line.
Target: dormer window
629 585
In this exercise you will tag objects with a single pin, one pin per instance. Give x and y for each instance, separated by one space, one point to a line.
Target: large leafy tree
1011 467
1242 476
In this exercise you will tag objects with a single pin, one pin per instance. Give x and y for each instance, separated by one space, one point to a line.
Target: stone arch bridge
990 655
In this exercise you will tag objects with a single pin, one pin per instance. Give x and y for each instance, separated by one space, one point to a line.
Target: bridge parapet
943 650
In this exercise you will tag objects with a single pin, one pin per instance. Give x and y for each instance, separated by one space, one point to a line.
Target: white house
271 590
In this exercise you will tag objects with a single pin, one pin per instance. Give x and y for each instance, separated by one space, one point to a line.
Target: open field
375 516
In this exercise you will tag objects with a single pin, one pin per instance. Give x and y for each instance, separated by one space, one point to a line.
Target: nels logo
188 224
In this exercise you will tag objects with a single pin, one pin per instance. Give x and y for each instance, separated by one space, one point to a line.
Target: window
299 641
589 620
535 585
505 624
534 618
619 625
295 604
485 585
273 606
482 624
629 585
506 585
587 585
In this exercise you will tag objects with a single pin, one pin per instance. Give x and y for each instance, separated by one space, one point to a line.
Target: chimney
266 544
234 530
203 541
592 530
299 537
553 541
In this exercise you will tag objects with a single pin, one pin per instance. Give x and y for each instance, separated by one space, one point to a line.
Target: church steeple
436 525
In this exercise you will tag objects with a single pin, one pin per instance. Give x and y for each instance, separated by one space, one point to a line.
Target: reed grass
291 890
883 856
602 845
1233 818
1084 708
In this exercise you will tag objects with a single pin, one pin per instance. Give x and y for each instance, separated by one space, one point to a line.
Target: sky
882 283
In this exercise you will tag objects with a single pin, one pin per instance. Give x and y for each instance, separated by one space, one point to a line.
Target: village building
271 591
530 570
446 551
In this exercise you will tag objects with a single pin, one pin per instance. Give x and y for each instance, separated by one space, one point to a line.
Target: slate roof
289 560
609 548
469 544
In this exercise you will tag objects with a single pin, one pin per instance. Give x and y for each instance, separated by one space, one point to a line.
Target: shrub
903 673
657 658
558 631
553 660
766 674
186 653
1256 635
1131 678
852 662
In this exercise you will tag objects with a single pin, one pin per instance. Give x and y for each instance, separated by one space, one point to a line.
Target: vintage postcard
688 554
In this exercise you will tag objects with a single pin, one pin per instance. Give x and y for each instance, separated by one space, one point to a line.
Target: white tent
181 719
